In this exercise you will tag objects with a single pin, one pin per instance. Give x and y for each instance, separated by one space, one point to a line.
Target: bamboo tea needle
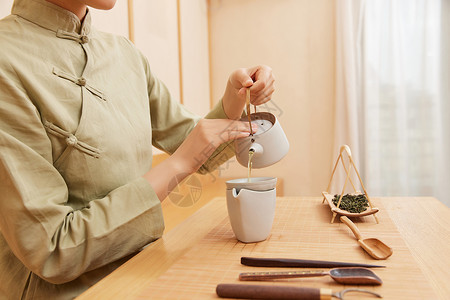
247 101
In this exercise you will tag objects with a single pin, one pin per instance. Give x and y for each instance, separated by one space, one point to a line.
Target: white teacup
251 207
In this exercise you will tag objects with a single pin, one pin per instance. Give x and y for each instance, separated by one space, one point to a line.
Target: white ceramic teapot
269 143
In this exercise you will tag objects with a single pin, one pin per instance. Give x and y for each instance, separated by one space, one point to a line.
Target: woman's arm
189 157
208 134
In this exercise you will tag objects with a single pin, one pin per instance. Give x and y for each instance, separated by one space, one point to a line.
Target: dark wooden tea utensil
299 263
376 248
361 276
245 291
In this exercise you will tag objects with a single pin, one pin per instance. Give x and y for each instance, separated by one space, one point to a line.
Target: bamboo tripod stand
329 198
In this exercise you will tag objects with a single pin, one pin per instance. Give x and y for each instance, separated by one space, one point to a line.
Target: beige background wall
195 55
5 7
296 38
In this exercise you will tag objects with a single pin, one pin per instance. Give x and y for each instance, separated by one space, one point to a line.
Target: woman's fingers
207 135
263 86
241 79
234 129
236 133
261 92
218 131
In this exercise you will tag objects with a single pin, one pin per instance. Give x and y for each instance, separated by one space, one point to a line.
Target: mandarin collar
51 16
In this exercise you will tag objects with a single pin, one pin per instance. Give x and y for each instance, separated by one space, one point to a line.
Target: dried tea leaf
352 203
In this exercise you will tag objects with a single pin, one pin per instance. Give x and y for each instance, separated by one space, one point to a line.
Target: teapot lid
264 120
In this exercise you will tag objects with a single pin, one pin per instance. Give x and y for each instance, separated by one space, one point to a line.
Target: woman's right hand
203 140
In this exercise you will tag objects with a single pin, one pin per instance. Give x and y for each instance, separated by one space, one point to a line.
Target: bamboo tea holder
329 197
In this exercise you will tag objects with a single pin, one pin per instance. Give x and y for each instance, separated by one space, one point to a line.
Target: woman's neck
79 9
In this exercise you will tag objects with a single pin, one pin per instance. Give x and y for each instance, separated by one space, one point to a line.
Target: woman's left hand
259 79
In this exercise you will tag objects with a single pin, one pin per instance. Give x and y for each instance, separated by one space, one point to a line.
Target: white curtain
392 94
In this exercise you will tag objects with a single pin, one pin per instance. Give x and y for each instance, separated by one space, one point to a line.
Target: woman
79 112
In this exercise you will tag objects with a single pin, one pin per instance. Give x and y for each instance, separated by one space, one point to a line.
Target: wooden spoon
376 248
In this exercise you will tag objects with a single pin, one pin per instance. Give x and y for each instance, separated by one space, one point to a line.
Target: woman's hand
203 140
259 79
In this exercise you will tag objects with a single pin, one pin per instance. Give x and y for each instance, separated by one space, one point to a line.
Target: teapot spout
256 148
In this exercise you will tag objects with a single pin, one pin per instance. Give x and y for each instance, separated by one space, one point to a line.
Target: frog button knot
84 39
81 81
71 140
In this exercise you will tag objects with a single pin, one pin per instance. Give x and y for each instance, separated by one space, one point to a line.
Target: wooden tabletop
191 259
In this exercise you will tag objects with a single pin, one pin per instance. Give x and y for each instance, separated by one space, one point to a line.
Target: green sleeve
52 239
225 151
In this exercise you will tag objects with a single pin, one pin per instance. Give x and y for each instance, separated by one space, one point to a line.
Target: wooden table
190 260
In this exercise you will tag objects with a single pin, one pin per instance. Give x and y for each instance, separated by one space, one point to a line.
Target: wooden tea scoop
374 247
245 291
340 275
